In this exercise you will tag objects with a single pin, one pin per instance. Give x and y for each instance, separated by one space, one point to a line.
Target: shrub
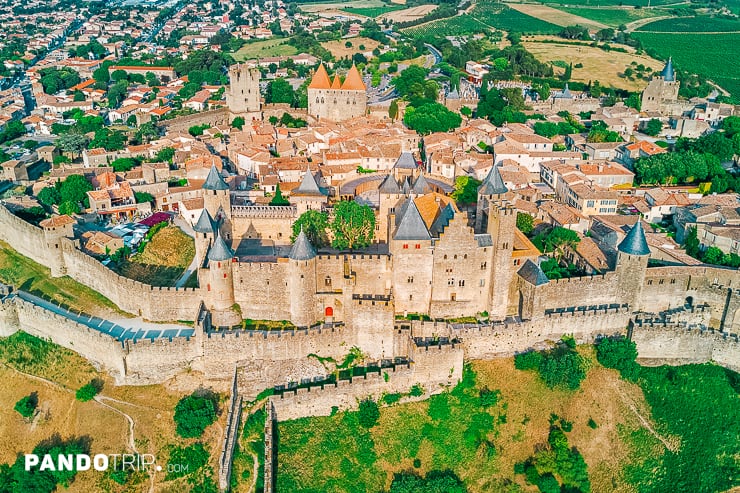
89 391
592 424
417 390
390 399
619 353
530 360
439 407
369 414
489 397
194 413
27 405
195 456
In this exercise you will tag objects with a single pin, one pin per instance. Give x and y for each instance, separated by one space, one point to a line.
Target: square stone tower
661 91
243 96
336 101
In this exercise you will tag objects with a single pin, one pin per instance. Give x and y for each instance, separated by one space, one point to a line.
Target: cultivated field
556 16
266 48
692 25
619 3
339 49
714 60
406 15
358 4
597 64
615 16
163 260
372 12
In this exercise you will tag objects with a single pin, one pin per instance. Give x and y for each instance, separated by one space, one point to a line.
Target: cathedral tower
661 90
243 96
336 101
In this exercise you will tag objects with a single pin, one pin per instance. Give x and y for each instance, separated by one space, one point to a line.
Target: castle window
650 282
455 257
327 281
453 297
482 282
418 246
405 246
410 279
225 275
219 265
301 276
673 281
483 265
209 287
450 282
465 256
660 283
411 297
445 257
448 271
461 282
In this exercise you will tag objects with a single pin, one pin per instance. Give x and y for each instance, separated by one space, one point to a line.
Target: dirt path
673 447
631 26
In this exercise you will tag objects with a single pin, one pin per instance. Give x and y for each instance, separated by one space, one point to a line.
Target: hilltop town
307 209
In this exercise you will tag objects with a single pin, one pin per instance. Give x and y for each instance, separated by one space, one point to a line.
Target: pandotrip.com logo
98 462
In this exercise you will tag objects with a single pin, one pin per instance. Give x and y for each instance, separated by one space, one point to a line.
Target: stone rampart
183 123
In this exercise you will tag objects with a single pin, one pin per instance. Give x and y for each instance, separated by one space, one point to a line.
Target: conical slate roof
635 243
320 79
566 92
532 273
205 223
405 161
353 82
220 251
421 186
389 185
412 225
308 185
302 248
493 184
669 75
406 187
214 181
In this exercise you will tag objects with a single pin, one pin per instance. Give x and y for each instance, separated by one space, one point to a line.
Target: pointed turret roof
220 251
308 185
353 82
493 184
421 186
412 225
533 274
214 180
405 161
302 248
320 79
669 75
336 84
389 185
205 223
635 243
406 187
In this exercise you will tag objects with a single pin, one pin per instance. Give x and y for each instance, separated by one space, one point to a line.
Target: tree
195 412
619 353
119 75
466 190
72 143
238 122
49 196
143 197
524 222
731 125
393 110
278 198
653 127
88 391
147 132
69 208
315 225
279 91
559 239
123 164
353 225
431 117
79 96
691 243
74 189
27 405
465 111
165 154
368 414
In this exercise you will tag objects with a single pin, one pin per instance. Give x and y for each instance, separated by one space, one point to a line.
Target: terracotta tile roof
56 221
353 82
430 205
320 79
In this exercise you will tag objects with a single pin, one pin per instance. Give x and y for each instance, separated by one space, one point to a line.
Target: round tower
632 260
220 286
55 228
204 229
302 282
216 194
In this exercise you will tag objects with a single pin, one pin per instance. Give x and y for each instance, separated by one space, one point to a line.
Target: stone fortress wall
272 358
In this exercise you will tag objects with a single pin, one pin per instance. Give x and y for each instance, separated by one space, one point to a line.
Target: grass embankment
266 48
163 260
25 274
151 407
454 431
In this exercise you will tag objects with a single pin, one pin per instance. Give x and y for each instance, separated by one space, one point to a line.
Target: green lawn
615 3
716 50
163 260
692 25
373 11
35 278
613 16
265 48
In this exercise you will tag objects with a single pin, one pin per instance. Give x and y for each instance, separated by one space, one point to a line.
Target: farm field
339 49
556 16
509 19
372 11
619 3
692 25
597 64
261 49
613 17
453 26
355 4
410 14
716 51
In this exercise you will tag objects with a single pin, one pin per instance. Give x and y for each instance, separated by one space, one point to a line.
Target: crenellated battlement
264 211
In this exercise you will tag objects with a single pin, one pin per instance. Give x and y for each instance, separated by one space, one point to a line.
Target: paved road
121 330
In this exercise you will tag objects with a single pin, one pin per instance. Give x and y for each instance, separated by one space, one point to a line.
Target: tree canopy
431 117
353 225
315 225
195 412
